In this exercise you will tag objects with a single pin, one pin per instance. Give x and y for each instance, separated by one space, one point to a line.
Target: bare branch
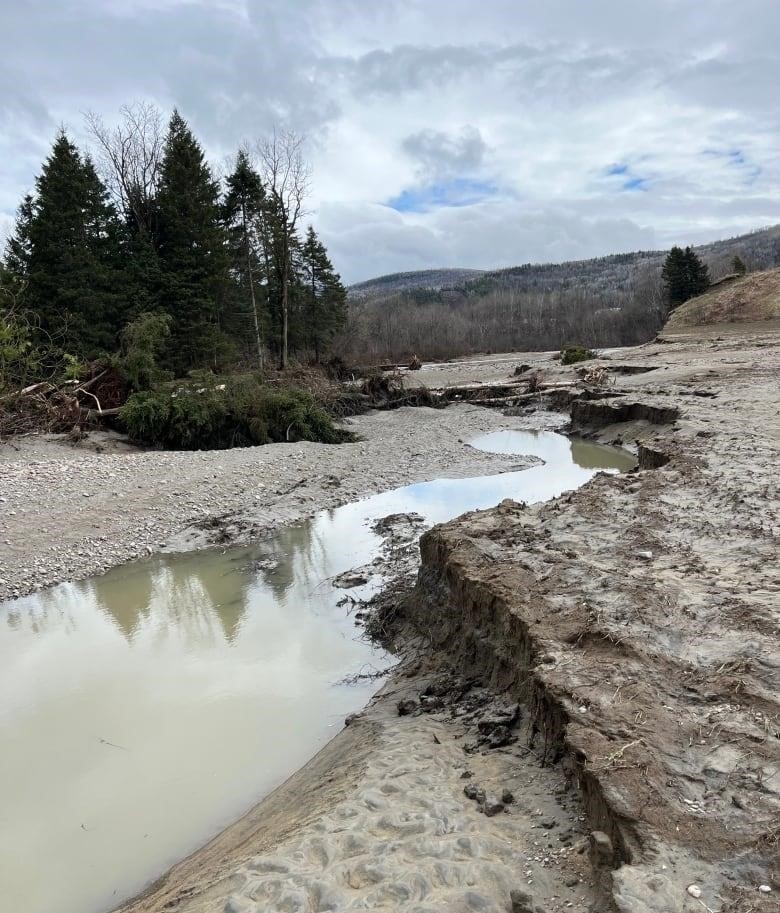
130 156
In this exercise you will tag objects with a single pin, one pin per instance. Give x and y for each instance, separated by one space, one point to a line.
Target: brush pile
70 406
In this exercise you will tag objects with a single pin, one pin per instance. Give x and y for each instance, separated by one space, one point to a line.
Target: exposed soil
638 617
753 297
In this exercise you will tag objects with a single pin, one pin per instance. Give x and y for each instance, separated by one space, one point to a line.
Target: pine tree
325 297
192 250
738 265
684 275
698 273
675 276
66 250
242 212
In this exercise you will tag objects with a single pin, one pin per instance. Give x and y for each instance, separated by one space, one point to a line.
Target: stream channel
144 710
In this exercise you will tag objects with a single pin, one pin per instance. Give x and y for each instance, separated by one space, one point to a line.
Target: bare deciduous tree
130 155
286 178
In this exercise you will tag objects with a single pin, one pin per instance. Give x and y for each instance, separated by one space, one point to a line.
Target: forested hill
614 273
401 282
623 299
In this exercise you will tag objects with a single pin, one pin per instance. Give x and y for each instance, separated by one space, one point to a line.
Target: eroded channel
143 710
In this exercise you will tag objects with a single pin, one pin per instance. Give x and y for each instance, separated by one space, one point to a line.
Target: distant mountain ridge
759 249
427 278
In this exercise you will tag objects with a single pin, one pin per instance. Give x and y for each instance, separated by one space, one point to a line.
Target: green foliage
229 268
191 246
738 265
143 339
570 355
215 413
65 250
17 358
325 298
684 275
72 366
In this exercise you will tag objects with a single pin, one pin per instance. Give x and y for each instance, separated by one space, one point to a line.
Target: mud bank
637 621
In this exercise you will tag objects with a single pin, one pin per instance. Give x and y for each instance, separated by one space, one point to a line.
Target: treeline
622 299
141 228
504 319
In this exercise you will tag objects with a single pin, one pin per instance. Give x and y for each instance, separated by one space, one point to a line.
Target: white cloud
538 102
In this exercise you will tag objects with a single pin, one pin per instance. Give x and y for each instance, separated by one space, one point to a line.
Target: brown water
143 710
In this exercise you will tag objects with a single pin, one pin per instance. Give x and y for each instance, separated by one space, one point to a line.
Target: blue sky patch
457 192
630 181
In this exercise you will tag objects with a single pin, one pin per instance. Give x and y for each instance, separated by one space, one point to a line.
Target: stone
507 797
694 890
602 853
470 791
406 707
521 901
492 806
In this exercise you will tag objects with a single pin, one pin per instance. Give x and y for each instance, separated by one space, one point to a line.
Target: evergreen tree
684 275
192 250
698 273
325 297
738 265
242 212
66 251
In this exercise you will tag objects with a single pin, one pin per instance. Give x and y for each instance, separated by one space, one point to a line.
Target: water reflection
144 709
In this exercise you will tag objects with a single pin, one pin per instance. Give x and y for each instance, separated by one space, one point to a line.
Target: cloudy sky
475 133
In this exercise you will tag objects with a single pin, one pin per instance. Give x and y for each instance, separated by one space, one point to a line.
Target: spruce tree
697 272
192 250
684 275
66 250
738 265
242 211
325 297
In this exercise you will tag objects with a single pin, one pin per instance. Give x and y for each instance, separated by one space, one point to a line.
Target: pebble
694 890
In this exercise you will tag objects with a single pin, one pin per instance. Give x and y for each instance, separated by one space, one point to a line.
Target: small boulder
492 806
406 707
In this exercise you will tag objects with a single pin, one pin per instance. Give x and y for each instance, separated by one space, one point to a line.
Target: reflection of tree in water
194 595
125 593
290 554
55 608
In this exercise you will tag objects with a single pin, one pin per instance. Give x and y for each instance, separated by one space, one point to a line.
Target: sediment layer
638 618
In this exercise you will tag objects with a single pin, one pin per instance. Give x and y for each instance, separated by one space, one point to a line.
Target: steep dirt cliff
638 618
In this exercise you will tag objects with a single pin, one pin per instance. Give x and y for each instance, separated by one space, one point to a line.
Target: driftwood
68 407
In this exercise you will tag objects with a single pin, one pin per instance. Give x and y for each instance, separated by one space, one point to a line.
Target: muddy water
143 710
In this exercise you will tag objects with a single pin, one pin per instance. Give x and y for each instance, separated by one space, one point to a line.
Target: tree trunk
252 297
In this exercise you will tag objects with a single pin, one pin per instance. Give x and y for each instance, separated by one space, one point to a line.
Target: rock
466 775
406 707
521 901
499 737
572 882
694 890
548 823
492 806
350 579
470 791
765 889
507 797
602 853
648 556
